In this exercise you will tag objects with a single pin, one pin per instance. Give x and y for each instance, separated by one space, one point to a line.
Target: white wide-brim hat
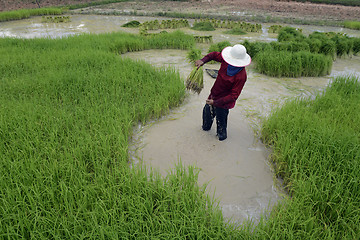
236 56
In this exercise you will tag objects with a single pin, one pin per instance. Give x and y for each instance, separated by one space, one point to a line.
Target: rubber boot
221 122
208 117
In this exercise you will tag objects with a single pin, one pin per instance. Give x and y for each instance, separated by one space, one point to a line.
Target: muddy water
34 27
236 169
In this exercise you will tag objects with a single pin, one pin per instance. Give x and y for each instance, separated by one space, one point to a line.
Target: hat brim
225 53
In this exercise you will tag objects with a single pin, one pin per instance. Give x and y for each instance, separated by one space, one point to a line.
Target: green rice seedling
314 45
26 13
203 39
328 48
315 144
253 48
203 26
57 19
275 28
132 24
314 65
235 31
218 47
344 45
352 25
290 46
356 45
67 111
290 34
288 64
89 4
193 55
195 80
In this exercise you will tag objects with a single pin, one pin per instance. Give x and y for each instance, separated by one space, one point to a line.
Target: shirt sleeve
234 93
216 56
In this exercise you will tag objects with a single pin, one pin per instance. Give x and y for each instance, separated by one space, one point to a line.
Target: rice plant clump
275 28
288 64
203 26
290 34
235 31
132 24
316 150
195 80
203 39
344 45
218 47
56 19
193 55
253 48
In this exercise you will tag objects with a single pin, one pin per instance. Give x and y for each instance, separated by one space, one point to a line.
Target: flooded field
237 170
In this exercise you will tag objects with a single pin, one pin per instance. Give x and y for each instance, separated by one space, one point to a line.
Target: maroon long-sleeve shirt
226 89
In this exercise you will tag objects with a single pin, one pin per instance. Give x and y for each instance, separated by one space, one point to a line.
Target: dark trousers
221 114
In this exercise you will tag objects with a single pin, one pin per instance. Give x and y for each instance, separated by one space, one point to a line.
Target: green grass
94 3
67 111
316 150
56 10
352 25
26 13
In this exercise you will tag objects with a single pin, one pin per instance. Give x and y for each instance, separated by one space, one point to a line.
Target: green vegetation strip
94 3
26 13
295 55
316 150
338 2
352 25
67 110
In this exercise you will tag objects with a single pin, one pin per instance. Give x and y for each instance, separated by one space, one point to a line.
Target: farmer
227 87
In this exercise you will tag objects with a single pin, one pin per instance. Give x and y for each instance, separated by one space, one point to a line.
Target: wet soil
238 8
273 8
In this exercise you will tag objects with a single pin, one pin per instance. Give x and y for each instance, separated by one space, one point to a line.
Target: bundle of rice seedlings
195 80
193 55
132 24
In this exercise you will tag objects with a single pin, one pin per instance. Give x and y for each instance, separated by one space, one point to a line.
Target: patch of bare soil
8 5
273 8
281 9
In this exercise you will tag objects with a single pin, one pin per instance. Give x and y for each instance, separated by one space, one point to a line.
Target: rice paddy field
68 107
